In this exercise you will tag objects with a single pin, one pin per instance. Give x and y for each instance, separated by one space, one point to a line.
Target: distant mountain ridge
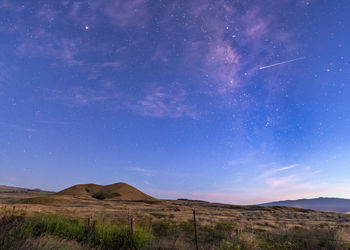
322 204
8 189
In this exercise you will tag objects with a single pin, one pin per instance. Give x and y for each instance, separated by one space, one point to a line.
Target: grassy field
48 222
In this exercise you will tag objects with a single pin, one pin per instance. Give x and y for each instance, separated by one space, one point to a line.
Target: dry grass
49 242
250 222
266 218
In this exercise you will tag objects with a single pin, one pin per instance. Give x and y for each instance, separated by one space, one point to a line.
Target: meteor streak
280 63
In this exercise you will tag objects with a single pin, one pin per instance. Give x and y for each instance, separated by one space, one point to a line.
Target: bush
70 229
163 228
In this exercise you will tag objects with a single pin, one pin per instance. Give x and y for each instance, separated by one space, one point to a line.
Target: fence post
132 231
90 221
132 226
128 215
195 229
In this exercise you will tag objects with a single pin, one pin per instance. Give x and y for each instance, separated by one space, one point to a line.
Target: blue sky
177 97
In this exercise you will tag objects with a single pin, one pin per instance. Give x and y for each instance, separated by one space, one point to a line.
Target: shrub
214 234
163 228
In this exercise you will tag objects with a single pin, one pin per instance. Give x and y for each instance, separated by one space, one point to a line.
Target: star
86 27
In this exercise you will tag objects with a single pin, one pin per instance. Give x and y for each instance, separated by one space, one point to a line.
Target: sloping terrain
8 189
117 191
11 194
321 204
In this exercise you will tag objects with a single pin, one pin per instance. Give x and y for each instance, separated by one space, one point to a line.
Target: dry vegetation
169 222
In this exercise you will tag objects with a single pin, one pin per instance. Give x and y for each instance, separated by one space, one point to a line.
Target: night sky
232 101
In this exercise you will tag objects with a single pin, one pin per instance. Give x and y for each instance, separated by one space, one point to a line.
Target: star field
233 101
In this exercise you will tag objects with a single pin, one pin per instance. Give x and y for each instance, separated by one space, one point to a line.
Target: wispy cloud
287 182
128 13
273 170
160 54
132 13
277 182
65 123
81 96
10 5
143 171
164 102
113 65
33 130
156 101
134 169
47 13
19 127
46 44
287 167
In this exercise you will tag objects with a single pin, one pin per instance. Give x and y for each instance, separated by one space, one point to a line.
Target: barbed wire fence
196 216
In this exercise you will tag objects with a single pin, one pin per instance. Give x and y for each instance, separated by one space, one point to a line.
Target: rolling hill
7 189
321 204
14 193
117 191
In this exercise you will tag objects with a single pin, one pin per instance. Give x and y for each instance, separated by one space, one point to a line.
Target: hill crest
116 191
10 189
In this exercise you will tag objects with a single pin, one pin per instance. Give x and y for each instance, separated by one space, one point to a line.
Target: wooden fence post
132 226
195 229
132 231
128 215
90 222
